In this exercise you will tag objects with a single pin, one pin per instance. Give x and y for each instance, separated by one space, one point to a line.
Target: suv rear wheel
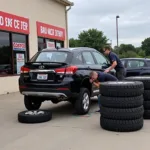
82 104
32 103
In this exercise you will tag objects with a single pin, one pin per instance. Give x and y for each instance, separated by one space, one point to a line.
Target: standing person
97 77
115 63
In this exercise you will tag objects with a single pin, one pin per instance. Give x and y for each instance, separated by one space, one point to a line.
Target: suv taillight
24 70
68 70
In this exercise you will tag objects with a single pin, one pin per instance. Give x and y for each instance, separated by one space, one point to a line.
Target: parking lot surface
65 131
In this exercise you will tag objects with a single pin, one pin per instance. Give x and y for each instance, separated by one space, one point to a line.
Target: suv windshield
50 57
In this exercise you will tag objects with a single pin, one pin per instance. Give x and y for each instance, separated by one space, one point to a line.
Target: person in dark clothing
115 63
97 77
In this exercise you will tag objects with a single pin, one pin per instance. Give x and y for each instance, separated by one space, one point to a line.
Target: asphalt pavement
66 131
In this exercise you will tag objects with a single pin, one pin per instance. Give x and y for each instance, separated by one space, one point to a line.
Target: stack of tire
121 106
146 95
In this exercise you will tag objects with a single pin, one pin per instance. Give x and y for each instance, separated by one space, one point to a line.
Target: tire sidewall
80 102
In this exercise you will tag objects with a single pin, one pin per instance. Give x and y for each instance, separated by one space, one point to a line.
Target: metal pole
117 30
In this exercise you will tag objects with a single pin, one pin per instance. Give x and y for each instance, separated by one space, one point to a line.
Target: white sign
52 32
58 45
19 46
20 61
50 44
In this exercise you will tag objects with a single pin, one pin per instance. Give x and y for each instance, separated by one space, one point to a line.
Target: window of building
13 53
5 54
20 50
59 44
41 44
48 43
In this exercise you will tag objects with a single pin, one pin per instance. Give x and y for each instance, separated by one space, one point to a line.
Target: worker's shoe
98 111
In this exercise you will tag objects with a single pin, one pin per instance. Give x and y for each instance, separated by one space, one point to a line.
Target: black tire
121 125
121 102
147 105
32 103
147 114
79 103
122 89
23 117
146 95
122 114
144 79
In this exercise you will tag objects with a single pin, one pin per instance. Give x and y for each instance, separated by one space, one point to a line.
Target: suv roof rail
46 49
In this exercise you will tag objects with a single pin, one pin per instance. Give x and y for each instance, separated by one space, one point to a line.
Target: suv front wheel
82 104
32 103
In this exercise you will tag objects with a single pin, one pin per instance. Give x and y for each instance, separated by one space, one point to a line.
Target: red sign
49 31
9 22
19 46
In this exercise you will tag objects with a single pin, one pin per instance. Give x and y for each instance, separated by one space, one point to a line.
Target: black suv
61 75
136 66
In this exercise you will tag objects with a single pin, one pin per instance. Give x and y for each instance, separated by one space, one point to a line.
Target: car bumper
60 95
59 91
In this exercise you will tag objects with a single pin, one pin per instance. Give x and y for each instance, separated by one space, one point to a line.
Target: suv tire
82 104
122 114
122 102
122 89
121 125
31 103
144 79
34 116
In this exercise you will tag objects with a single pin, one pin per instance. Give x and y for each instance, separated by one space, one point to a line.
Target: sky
133 24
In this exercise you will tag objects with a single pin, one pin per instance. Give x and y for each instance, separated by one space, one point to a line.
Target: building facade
25 28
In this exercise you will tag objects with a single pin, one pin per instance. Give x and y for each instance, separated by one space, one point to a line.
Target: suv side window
77 59
135 64
99 58
123 62
88 58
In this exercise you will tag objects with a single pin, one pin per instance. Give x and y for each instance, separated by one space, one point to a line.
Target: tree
73 42
126 47
92 38
129 54
146 46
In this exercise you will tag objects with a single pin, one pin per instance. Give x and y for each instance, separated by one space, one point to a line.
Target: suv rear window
50 57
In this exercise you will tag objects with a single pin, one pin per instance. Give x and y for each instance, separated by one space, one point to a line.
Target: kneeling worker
97 77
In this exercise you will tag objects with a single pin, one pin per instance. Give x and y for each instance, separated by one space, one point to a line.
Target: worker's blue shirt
113 57
104 77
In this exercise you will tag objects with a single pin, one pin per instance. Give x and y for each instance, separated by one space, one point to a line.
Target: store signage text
50 44
9 22
19 46
49 31
52 32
